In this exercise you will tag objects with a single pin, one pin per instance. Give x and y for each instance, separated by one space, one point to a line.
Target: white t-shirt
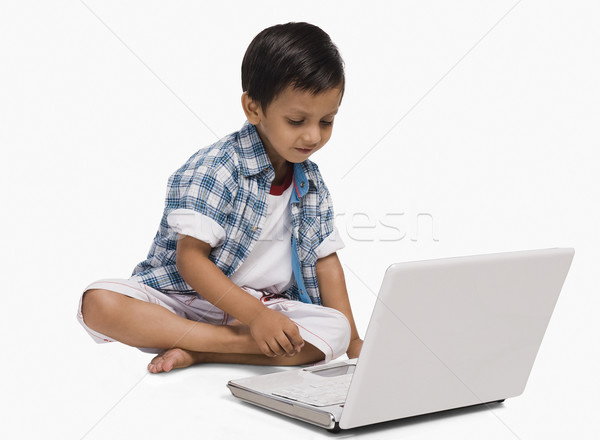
268 268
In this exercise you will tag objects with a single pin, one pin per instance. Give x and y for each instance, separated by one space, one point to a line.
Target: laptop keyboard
332 391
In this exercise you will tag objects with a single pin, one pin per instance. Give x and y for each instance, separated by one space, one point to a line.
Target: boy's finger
276 347
286 345
266 350
296 339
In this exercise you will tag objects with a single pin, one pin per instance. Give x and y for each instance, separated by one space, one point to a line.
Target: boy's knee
341 332
98 304
346 332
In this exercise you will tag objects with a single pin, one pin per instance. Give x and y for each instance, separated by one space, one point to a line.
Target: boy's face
296 124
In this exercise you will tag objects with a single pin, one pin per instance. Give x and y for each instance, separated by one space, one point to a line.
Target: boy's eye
300 122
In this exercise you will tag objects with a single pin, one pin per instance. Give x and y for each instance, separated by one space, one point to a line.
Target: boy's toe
167 365
155 365
170 359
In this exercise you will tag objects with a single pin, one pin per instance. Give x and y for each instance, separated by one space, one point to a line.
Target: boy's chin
301 155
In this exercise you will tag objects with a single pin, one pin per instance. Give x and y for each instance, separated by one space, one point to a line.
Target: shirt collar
253 156
300 183
254 160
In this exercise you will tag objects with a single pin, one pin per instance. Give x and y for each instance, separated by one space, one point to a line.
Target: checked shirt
229 183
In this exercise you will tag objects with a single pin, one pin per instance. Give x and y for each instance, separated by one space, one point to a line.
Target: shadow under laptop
415 420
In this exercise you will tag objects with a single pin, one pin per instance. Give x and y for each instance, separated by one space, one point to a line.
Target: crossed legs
185 342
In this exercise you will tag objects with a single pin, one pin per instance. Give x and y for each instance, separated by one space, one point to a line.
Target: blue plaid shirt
229 182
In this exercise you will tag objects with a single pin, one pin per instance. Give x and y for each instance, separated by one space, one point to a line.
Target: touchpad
335 371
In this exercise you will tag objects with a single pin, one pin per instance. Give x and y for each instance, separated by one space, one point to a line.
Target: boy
243 268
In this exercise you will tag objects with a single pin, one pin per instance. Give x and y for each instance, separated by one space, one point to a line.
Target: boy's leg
180 358
142 324
153 321
326 333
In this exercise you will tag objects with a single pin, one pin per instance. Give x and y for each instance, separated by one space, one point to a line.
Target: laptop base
317 416
301 412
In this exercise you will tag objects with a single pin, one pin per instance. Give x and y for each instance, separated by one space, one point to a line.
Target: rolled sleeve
199 226
332 243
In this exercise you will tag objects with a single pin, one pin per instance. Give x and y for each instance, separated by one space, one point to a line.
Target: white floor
61 384
465 128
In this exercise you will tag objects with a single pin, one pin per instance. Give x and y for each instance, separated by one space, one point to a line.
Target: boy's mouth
304 150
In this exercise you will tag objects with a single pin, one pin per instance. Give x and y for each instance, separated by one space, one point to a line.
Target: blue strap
298 273
300 183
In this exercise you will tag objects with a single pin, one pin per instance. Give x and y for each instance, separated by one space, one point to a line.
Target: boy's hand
275 334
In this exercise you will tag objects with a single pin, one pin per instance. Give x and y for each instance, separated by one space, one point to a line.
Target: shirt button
254 228
301 184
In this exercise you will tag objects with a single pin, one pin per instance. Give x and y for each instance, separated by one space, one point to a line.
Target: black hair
300 55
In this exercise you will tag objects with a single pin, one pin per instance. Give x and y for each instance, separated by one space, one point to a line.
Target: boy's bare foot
173 358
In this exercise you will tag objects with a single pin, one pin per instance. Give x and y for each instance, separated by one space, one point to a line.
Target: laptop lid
454 332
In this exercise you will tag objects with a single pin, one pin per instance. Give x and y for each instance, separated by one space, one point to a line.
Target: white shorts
325 328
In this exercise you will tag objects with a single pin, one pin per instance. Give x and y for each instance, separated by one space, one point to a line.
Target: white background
475 116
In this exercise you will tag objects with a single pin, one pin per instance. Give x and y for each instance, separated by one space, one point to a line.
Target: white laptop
444 334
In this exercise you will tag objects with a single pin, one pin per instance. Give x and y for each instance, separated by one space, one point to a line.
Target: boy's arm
275 334
332 286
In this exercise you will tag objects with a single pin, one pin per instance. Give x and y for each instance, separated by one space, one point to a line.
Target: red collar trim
277 190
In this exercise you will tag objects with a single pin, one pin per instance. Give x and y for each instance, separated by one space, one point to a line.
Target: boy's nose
312 136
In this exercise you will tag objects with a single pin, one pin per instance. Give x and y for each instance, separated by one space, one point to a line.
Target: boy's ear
251 109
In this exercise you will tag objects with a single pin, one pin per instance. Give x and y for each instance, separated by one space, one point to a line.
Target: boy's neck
281 172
